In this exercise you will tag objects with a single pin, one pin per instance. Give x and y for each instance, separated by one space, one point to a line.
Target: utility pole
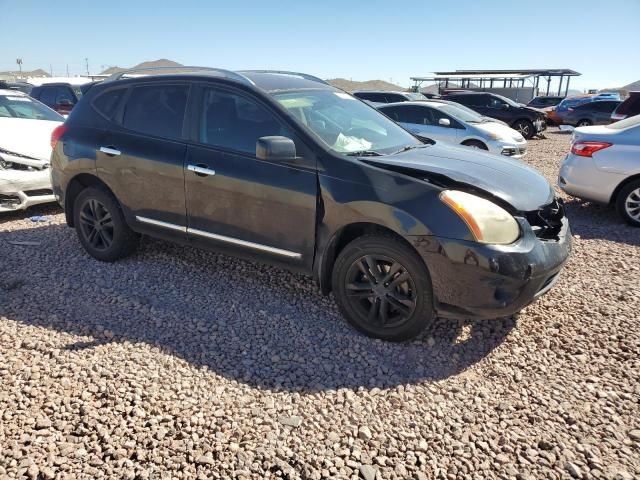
86 61
19 62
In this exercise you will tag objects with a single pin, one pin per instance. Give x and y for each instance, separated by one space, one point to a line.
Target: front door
237 202
142 157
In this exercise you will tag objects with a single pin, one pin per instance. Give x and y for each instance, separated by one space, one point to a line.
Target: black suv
528 121
284 168
60 96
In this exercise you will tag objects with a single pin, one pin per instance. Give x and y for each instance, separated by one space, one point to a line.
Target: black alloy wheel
101 226
383 287
381 291
96 224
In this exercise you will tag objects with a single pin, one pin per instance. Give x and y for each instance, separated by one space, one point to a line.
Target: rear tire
475 144
584 123
101 227
628 203
383 288
525 127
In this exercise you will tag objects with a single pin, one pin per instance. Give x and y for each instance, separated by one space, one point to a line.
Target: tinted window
606 106
414 114
47 95
235 122
395 97
470 100
156 110
107 102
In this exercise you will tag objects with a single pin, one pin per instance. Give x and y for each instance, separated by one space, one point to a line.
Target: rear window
107 102
156 110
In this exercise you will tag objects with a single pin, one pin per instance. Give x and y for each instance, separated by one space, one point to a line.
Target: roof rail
284 72
219 72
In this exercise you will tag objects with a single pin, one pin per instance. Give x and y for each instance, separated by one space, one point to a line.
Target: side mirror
445 122
275 148
504 106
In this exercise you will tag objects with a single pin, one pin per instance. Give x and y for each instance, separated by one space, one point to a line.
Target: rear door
142 156
238 202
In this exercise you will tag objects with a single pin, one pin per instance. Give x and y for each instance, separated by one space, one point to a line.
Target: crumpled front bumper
472 280
20 189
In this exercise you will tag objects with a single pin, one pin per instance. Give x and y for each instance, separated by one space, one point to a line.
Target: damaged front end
24 181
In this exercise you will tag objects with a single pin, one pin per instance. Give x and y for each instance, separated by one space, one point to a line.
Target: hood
504 131
27 137
510 180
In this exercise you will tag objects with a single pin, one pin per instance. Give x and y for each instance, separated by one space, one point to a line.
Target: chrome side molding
220 238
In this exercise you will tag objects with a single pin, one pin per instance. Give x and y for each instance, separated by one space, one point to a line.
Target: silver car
604 166
446 122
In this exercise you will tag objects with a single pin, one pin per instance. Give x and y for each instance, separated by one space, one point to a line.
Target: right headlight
487 222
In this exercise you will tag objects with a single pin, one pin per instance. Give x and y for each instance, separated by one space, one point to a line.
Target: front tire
628 203
525 127
383 288
101 227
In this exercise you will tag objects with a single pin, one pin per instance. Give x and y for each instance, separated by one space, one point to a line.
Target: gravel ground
179 363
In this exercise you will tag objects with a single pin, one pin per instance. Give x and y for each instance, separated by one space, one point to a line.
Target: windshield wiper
411 147
364 153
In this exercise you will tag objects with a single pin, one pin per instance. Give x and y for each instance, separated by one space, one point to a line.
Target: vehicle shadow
252 323
595 221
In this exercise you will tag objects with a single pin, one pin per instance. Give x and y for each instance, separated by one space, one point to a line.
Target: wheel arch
76 185
340 239
621 185
468 140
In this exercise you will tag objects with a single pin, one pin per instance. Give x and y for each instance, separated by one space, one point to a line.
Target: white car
446 122
604 166
25 148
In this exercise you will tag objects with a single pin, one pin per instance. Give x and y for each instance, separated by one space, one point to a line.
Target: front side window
394 97
471 100
156 110
342 123
25 107
416 115
235 122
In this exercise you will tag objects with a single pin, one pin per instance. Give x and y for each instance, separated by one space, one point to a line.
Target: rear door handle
201 170
112 152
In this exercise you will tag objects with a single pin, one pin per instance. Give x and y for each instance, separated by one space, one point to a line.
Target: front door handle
112 152
201 170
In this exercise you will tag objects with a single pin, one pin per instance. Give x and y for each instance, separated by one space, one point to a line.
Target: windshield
626 123
19 106
344 123
459 114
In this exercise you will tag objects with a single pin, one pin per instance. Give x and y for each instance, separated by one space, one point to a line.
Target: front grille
547 221
37 193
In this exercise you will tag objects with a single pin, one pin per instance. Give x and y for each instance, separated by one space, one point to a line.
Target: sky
363 40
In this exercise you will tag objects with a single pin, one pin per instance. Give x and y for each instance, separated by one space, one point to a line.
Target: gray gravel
179 363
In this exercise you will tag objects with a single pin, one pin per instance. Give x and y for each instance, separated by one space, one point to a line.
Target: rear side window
156 110
470 100
394 97
47 95
107 102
